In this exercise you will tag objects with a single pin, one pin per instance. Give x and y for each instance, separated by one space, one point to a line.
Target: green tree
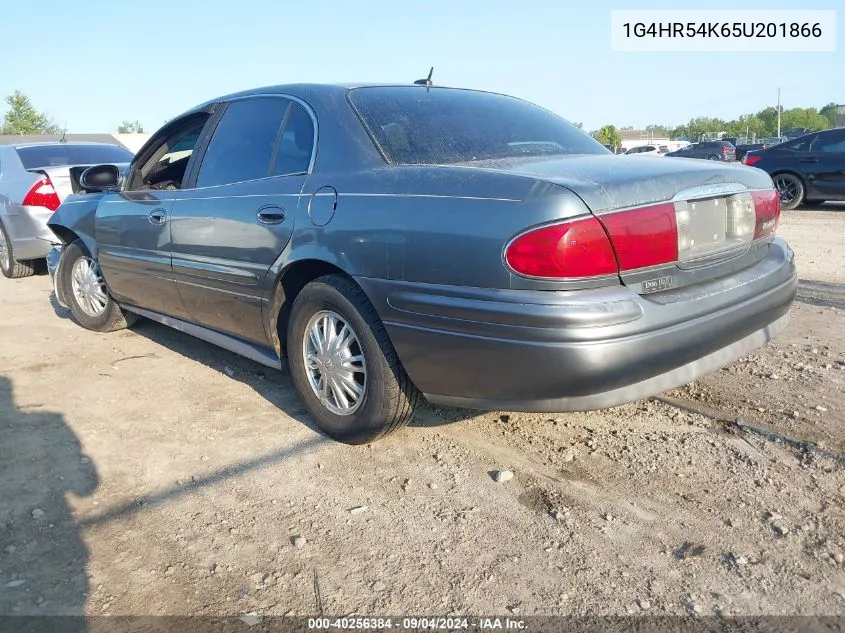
809 118
608 135
578 124
130 127
23 118
700 126
829 113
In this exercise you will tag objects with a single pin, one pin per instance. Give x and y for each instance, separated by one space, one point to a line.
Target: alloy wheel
787 187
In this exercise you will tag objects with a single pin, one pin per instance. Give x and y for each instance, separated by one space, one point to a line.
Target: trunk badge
656 285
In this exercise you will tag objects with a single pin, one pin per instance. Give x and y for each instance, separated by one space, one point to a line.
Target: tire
713 157
100 315
791 189
9 266
387 396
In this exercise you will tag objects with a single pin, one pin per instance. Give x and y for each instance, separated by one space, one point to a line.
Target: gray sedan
399 242
34 179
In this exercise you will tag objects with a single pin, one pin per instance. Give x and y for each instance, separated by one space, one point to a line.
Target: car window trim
276 95
195 162
277 143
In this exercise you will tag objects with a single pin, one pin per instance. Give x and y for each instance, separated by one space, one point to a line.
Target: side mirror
100 178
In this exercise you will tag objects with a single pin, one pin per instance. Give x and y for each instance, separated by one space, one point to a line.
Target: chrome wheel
88 287
4 252
334 362
787 188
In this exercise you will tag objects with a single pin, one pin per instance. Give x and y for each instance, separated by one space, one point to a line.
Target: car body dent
76 216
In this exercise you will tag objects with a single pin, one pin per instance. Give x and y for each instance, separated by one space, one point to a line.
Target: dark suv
711 150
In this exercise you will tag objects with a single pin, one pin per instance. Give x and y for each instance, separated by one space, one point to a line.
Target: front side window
428 125
833 143
243 143
166 170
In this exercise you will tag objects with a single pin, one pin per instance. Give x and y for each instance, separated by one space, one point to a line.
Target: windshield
415 125
70 154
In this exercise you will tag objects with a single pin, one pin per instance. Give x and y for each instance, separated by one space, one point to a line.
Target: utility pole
778 113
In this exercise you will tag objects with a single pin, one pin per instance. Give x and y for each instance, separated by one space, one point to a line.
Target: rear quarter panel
434 225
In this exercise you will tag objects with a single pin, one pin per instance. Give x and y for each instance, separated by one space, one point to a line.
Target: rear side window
296 143
425 125
69 154
243 142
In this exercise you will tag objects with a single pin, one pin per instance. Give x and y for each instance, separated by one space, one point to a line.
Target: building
132 142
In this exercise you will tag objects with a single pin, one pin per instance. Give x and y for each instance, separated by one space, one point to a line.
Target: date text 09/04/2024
418 624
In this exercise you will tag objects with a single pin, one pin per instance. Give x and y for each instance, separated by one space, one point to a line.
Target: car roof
307 91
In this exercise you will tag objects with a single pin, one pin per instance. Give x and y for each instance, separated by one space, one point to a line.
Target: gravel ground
145 472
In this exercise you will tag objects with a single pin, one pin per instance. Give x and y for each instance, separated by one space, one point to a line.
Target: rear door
233 222
824 165
133 228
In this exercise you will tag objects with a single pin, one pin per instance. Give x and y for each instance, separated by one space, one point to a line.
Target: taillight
654 235
573 249
767 205
42 194
642 237
750 159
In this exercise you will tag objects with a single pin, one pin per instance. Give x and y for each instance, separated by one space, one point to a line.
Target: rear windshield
420 125
69 154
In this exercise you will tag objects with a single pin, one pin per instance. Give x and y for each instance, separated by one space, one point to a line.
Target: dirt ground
146 472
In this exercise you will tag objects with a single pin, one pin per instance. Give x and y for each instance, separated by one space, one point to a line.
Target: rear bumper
30 235
564 351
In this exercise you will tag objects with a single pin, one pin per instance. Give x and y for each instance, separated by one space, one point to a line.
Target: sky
90 66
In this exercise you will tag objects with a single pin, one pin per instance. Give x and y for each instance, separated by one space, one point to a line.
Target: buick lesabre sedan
399 242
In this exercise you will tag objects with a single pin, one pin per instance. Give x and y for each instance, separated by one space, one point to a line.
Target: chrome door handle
271 215
158 216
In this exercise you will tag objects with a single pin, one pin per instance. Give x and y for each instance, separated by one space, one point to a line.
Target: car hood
609 182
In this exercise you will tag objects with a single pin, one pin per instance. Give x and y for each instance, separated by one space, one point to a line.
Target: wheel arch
288 284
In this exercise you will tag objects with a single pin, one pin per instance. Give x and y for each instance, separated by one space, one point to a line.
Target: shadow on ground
42 554
821 293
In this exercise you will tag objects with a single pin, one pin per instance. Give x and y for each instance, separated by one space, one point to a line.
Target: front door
233 223
824 165
133 228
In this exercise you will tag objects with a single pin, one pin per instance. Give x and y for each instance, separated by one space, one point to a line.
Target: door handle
809 160
271 215
158 216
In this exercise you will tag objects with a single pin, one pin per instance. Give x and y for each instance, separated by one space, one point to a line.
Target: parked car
808 169
34 179
647 150
743 149
711 150
395 242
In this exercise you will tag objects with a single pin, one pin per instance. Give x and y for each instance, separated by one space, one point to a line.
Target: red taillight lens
750 159
643 237
574 249
767 209
634 239
42 194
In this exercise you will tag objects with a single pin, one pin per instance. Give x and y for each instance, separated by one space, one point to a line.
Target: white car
647 150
